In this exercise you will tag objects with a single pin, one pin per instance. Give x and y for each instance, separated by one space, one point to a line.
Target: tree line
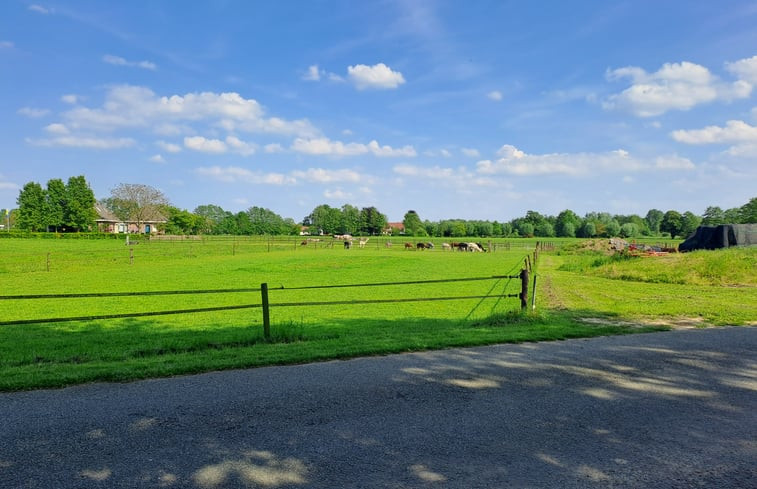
70 207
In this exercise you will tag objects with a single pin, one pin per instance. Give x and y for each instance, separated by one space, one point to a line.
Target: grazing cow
363 241
481 245
347 244
408 246
421 246
446 246
304 243
388 244
474 247
462 246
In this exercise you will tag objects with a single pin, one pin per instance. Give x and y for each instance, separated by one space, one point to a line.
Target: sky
455 109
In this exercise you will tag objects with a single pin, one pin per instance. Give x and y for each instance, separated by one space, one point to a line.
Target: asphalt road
663 410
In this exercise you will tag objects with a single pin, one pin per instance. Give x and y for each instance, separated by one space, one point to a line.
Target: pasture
401 317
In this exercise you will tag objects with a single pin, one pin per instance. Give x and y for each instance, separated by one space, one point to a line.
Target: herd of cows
348 241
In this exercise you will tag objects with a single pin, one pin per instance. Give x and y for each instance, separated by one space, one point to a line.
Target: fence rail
264 304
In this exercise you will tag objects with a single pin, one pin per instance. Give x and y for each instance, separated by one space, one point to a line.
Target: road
675 410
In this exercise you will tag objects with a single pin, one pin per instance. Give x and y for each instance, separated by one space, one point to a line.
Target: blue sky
473 110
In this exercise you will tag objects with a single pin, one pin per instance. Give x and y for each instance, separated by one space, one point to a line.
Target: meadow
337 323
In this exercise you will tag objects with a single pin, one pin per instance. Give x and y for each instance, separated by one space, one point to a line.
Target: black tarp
723 236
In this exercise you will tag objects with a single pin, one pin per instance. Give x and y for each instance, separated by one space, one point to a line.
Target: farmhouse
107 222
394 227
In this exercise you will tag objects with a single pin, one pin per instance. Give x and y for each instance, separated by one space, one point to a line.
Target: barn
722 236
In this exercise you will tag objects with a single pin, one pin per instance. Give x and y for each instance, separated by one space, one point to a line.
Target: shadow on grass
35 356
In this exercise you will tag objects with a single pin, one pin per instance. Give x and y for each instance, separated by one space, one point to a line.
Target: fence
265 303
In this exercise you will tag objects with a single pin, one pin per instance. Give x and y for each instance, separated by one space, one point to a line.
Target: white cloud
337 194
325 146
745 69
513 161
242 147
471 152
379 77
70 99
129 106
733 132
313 74
204 145
273 148
675 86
157 159
40 9
235 174
119 61
84 142
170 147
57 128
320 175
495 95
674 162
6 45
32 112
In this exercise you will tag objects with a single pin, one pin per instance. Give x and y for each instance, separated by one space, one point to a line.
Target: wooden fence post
524 289
48 261
131 256
266 312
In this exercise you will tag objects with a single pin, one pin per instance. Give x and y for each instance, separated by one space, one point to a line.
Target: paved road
663 410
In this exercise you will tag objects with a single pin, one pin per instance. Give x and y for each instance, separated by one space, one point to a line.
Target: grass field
570 289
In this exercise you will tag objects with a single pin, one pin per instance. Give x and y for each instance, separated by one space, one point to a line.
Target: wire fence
265 303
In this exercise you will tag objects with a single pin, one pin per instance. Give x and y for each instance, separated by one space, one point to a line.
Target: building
107 222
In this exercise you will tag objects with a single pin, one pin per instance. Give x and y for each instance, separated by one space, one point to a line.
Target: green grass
65 353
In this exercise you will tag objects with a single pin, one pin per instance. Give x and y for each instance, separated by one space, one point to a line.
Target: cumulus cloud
513 161
129 106
170 147
320 175
235 174
745 69
313 74
70 98
733 132
157 159
57 128
471 152
204 145
675 86
378 77
325 146
119 61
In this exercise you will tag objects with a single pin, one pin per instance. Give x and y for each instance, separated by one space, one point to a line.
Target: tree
412 223
654 219
566 224
349 219
209 217
689 223
32 208
372 222
137 202
55 198
748 212
672 223
713 216
629 230
324 218
265 221
79 210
